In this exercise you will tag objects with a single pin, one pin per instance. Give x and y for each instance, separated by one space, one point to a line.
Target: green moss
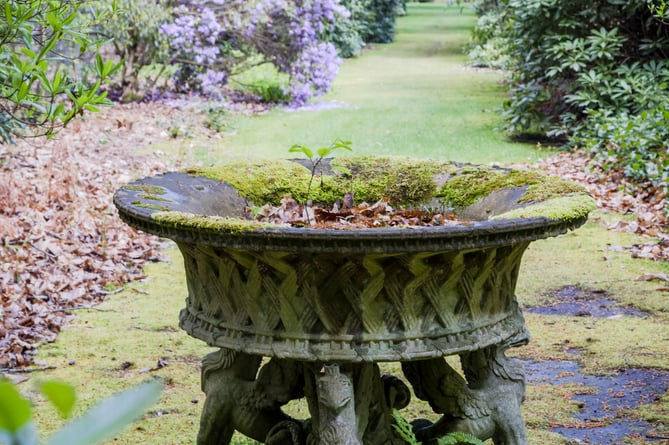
572 206
405 182
261 182
402 180
154 197
145 205
147 189
208 223
473 184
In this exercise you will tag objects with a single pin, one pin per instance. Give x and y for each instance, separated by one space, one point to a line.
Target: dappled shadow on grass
603 403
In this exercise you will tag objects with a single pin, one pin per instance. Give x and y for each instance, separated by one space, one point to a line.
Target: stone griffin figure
486 404
243 399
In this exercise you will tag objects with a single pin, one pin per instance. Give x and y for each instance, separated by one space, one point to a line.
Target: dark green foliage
269 92
636 143
370 21
404 430
587 73
570 57
381 22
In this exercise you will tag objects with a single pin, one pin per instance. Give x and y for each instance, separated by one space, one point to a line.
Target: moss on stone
567 207
151 197
146 188
222 224
261 182
146 205
405 182
402 180
472 184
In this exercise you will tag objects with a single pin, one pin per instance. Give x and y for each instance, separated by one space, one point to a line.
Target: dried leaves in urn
345 215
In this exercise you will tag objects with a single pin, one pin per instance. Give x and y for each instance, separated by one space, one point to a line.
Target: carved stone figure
243 399
486 404
337 420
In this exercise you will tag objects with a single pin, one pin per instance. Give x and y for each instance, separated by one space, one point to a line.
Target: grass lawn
413 97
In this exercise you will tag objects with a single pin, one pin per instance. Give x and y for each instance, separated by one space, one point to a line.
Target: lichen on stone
151 197
146 205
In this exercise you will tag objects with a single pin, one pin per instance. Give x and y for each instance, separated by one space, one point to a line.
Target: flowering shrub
215 39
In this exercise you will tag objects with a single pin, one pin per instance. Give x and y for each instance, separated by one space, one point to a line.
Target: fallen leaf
653 276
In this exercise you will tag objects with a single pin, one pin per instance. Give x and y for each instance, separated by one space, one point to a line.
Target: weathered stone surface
326 306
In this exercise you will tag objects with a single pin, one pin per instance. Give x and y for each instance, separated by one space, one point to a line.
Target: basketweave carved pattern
353 307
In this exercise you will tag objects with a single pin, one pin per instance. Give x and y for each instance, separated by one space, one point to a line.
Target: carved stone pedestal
324 307
351 403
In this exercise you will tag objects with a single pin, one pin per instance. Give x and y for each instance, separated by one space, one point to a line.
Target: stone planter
326 306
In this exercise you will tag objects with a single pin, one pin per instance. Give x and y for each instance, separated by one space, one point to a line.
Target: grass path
413 97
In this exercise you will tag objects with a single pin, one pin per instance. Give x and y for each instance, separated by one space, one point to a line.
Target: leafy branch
316 158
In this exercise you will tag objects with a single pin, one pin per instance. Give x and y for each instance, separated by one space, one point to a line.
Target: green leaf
8 15
23 91
28 52
54 20
109 417
15 411
403 428
27 435
50 44
60 394
301 149
92 108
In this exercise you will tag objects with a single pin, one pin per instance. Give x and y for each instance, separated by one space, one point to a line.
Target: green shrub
591 74
635 144
50 67
487 47
380 23
568 58
347 31
136 38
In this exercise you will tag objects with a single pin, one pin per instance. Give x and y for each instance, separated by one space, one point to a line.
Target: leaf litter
62 245
345 215
612 192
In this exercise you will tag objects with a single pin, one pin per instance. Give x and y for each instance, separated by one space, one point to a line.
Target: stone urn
304 312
